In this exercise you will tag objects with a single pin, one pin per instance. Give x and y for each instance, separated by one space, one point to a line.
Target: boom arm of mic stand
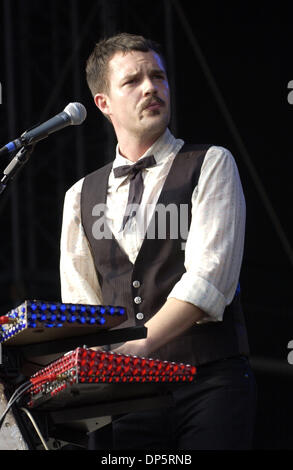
15 165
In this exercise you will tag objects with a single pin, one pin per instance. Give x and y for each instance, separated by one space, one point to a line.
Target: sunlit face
138 101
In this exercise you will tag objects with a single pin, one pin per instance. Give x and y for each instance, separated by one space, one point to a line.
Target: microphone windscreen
77 113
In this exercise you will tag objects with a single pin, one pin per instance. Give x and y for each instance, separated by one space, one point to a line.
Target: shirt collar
165 145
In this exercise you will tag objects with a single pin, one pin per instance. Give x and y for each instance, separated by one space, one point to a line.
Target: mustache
151 100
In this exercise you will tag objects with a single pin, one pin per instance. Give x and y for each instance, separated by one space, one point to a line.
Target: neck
133 148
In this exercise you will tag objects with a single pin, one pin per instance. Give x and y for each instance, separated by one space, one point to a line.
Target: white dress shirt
214 245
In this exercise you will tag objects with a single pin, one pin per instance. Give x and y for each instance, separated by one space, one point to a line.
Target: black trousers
215 413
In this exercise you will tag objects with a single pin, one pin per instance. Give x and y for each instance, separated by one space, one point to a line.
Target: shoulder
218 152
221 157
208 155
219 164
209 151
206 151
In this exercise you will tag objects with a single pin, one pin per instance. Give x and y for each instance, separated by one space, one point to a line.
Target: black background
233 93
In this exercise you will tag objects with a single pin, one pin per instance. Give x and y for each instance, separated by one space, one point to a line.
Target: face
138 101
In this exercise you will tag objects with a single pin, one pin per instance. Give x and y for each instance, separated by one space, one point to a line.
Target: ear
102 102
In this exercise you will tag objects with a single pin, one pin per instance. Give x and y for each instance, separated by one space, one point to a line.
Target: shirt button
137 300
136 284
139 315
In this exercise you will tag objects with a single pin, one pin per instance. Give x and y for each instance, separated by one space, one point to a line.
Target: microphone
73 115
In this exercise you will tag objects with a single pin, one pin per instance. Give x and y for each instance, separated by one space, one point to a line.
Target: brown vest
142 288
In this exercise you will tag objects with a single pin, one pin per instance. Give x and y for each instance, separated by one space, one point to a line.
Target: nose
149 86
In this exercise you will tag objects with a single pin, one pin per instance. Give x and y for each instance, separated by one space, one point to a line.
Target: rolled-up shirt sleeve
79 282
214 246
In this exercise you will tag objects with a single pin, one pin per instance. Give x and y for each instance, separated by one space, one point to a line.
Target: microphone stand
15 165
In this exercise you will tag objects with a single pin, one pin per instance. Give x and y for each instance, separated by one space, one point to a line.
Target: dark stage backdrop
230 69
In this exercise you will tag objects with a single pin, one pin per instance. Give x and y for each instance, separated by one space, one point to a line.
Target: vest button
136 284
137 300
139 315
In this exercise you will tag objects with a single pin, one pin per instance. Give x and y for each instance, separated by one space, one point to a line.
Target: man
183 288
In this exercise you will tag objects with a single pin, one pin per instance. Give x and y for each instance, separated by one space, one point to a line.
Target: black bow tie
136 183
136 168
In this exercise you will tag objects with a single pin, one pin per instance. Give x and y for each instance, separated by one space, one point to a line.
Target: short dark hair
104 50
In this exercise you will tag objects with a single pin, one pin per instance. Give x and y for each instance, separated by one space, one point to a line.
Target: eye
158 73
130 81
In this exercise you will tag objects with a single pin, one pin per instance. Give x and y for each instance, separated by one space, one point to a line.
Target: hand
174 317
136 347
